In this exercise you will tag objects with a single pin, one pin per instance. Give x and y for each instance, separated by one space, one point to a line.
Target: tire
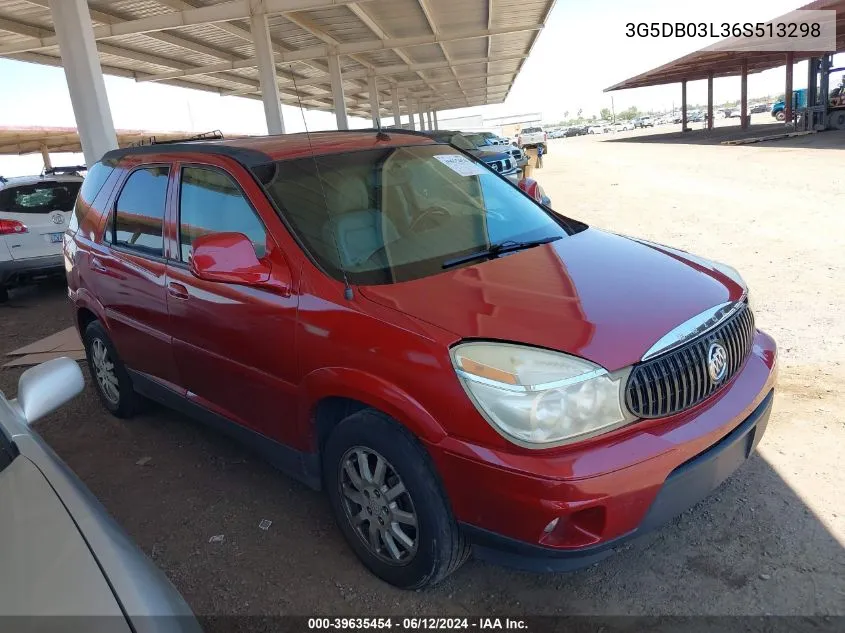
836 120
4 294
780 116
125 403
438 546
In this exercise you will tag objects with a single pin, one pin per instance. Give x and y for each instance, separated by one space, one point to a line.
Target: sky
582 50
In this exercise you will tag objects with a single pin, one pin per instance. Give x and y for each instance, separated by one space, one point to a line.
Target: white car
34 212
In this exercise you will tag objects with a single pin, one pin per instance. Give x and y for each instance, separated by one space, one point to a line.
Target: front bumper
12 270
612 488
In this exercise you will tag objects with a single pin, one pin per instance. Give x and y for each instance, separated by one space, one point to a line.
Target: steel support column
45 154
372 84
787 93
684 105
411 125
710 101
337 93
422 119
430 119
84 76
267 73
397 114
436 124
743 99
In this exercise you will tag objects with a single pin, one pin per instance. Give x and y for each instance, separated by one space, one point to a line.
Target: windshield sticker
460 164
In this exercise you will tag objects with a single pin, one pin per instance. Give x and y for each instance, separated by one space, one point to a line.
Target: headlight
537 398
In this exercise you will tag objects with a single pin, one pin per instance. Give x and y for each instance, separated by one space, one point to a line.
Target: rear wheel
113 385
836 120
388 502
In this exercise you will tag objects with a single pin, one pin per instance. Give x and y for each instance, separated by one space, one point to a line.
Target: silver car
62 554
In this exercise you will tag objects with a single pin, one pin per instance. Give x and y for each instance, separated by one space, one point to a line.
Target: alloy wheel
378 506
104 371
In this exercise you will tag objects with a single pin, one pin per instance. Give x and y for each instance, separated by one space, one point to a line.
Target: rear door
44 208
128 270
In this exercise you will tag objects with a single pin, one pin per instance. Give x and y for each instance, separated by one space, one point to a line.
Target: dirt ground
769 541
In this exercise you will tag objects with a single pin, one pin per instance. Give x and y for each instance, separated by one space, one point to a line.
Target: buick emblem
717 361
57 218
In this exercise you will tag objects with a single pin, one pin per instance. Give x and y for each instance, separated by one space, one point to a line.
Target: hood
488 157
601 296
490 149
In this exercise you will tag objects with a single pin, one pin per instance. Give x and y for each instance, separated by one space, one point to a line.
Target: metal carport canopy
419 54
718 61
31 140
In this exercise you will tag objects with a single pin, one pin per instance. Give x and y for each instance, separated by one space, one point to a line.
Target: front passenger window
211 202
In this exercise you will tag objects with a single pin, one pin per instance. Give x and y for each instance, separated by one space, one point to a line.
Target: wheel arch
330 395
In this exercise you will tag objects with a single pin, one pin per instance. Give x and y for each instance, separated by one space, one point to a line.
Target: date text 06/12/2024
417 624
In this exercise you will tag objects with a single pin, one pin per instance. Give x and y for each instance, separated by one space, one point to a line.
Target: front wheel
780 116
388 502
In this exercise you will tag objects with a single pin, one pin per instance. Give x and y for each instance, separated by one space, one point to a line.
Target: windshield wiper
496 250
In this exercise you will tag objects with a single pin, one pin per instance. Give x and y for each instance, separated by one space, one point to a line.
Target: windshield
398 214
41 197
461 142
476 139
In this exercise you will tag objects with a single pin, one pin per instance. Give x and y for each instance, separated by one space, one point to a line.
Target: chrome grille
680 378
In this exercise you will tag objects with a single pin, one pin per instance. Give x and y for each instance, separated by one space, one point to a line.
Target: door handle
177 290
97 265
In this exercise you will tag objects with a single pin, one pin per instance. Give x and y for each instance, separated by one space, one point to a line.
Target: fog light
551 526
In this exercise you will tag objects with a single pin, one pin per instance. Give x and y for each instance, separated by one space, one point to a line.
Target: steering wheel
429 212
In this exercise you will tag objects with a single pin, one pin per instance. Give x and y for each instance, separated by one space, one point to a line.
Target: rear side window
211 202
42 197
94 181
139 211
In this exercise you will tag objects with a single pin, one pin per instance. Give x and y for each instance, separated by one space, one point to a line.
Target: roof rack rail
72 170
204 136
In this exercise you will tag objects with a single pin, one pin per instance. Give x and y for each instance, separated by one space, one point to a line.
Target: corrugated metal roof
423 47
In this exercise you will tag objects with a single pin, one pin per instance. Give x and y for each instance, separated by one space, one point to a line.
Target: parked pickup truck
531 137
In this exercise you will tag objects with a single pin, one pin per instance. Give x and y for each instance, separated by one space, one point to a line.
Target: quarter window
139 212
211 202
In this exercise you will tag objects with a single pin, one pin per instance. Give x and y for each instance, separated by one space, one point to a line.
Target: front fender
369 389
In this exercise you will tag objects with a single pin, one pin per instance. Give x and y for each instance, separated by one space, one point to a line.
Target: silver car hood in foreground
63 555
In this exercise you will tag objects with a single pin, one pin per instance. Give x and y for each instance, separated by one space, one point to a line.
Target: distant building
507 126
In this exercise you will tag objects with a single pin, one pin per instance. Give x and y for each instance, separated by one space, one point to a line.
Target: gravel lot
770 541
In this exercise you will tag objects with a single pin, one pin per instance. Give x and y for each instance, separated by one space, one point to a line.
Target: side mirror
228 258
46 387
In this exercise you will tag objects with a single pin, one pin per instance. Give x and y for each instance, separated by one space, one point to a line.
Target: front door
234 344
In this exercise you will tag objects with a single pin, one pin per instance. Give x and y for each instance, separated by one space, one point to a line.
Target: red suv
384 317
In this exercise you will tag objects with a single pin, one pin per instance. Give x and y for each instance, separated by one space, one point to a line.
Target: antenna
347 293
380 135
